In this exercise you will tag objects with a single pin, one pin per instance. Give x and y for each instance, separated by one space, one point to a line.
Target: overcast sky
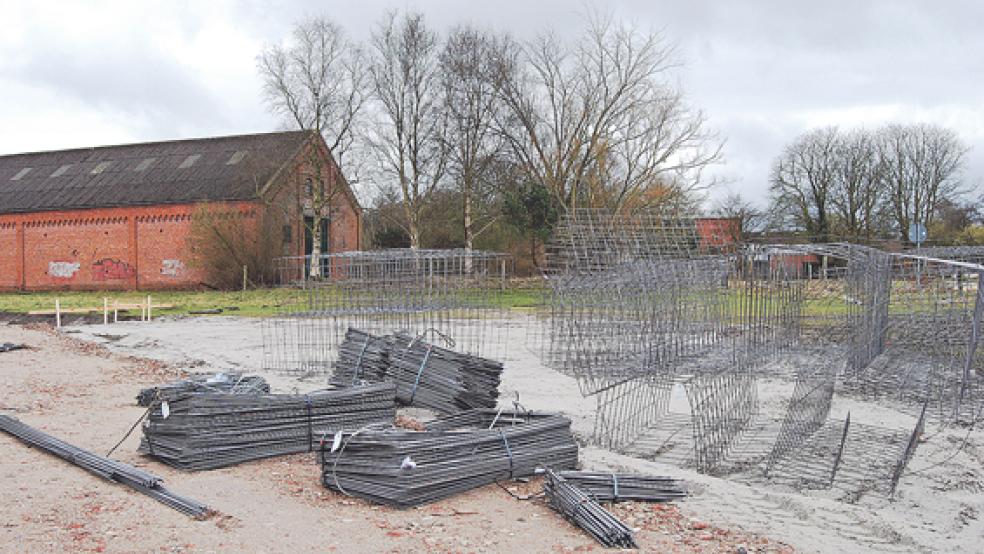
85 74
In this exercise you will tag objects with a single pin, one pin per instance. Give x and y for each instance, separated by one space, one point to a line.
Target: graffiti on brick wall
171 268
63 270
108 269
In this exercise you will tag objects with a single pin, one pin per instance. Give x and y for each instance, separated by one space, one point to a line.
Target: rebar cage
450 295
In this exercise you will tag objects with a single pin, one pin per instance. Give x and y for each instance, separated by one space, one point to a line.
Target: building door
309 244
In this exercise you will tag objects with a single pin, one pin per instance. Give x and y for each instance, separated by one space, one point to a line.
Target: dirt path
85 395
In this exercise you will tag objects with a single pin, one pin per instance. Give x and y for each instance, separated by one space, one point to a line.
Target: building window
144 164
61 170
100 167
236 157
287 233
308 187
189 161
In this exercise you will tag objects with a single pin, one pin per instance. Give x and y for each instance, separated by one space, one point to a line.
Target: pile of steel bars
111 470
575 505
362 356
617 487
408 468
203 431
229 383
426 376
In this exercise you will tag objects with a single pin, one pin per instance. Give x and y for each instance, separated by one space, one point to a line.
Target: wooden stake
105 311
148 307
57 313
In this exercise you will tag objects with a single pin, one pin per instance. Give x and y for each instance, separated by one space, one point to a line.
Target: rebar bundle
426 376
108 469
623 487
362 356
442 380
228 383
575 505
455 454
195 431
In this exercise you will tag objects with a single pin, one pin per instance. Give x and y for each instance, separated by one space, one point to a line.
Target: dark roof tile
209 178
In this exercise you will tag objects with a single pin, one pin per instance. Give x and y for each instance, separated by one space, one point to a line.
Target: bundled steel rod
425 375
616 487
111 470
575 505
362 356
457 453
203 431
229 383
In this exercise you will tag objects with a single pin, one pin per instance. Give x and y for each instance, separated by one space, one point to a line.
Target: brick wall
97 249
163 250
9 256
85 251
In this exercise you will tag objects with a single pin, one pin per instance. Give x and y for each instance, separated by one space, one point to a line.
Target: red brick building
119 217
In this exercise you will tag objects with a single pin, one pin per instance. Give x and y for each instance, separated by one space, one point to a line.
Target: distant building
718 234
119 217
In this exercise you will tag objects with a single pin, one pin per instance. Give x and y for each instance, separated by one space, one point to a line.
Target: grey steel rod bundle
204 431
575 505
229 383
455 454
616 487
362 356
108 469
426 376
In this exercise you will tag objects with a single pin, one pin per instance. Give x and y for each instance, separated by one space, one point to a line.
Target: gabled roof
171 172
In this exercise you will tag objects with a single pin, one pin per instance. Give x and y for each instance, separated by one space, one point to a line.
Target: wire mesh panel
453 294
639 303
723 405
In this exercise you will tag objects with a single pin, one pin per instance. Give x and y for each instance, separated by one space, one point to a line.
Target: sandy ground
85 395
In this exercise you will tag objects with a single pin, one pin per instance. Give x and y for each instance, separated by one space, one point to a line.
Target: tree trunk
533 251
414 233
469 236
316 246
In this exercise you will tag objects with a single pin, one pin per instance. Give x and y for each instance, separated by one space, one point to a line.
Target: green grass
259 302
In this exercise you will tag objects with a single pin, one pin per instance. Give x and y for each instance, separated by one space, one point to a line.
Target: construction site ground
79 384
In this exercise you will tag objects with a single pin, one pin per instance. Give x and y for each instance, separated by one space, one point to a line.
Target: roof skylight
100 167
189 161
144 164
61 170
20 174
236 157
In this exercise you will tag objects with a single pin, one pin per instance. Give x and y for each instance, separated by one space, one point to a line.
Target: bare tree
317 81
601 123
803 179
746 215
409 136
923 164
857 192
471 105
